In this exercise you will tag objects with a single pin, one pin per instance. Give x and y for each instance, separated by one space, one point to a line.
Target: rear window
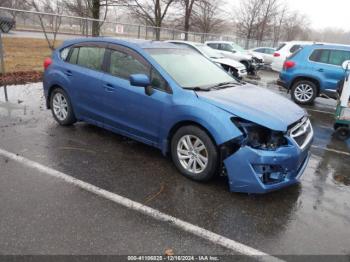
294 48
280 46
296 52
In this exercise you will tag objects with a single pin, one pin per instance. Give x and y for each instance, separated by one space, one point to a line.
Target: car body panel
151 118
267 56
268 109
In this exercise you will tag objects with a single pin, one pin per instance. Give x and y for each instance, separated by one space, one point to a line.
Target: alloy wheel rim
192 154
60 106
304 92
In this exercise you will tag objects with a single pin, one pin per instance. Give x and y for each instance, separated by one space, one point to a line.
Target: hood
256 104
229 62
254 54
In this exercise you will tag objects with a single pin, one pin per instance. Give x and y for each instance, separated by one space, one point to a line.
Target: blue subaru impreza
174 99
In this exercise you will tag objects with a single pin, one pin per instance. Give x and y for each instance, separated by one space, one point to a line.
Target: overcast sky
321 13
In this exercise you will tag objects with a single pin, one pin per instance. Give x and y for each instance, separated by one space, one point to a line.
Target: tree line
252 20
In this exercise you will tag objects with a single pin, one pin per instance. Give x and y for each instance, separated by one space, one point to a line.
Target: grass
25 54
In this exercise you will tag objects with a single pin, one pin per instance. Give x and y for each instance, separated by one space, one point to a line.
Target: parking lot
41 214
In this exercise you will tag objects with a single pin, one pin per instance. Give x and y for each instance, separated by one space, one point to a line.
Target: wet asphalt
310 218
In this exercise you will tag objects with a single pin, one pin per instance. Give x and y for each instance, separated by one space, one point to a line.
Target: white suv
285 50
236 52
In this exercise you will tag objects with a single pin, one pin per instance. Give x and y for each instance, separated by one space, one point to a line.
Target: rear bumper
282 83
258 171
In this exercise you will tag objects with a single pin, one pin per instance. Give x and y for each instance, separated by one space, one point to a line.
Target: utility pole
2 64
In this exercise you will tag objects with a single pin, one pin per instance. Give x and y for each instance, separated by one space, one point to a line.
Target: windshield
237 47
190 69
208 51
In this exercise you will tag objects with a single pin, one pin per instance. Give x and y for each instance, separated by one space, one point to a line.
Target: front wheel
342 133
61 107
304 92
194 153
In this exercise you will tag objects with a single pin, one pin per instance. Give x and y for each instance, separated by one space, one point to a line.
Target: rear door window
91 57
73 57
320 55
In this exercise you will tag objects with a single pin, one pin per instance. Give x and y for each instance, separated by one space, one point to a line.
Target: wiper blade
225 85
197 88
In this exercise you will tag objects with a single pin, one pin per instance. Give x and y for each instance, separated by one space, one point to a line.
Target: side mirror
346 65
140 80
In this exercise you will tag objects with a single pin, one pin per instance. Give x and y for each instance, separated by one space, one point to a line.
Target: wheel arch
307 78
181 124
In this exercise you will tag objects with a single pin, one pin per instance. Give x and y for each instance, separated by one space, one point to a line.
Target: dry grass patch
25 54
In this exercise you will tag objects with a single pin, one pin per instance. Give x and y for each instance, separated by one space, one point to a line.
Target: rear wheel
304 92
61 107
194 153
342 133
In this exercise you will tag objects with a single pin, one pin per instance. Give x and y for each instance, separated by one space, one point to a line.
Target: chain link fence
30 36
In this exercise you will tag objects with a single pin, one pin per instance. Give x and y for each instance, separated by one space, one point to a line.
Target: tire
342 133
304 92
183 156
61 107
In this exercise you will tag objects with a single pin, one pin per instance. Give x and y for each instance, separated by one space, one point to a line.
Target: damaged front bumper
260 171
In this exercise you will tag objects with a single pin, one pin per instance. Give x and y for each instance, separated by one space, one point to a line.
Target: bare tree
269 11
96 9
188 8
247 17
151 12
296 26
54 21
207 16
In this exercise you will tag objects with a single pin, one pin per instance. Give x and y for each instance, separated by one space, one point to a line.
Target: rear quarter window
64 53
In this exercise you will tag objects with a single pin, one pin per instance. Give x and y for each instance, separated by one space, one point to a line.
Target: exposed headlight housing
260 137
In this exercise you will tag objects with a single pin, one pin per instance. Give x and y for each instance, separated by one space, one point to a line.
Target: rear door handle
68 73
320 70
109 87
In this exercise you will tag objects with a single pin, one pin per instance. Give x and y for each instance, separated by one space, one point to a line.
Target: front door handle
320 70
109 87
68 73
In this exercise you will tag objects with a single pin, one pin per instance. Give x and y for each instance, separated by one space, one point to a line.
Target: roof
331 46
136 43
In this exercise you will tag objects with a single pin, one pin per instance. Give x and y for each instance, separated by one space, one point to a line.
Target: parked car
314 70
175 99
234 51
233 67
285 50
265 52
6 24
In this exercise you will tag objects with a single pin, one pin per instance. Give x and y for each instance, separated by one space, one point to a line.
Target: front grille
301 132
257 60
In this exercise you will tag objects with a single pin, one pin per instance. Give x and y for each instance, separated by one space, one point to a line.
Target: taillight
47 62
276 54
288 64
